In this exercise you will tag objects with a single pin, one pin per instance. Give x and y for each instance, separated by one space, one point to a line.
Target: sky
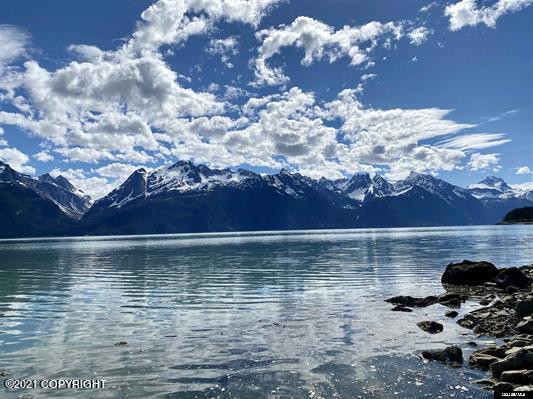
94 90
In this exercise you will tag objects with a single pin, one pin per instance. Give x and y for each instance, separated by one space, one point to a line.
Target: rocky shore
506 297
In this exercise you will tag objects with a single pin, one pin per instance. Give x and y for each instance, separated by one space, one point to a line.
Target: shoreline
506 314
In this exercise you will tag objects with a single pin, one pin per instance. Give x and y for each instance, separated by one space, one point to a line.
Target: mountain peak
490 186
495 182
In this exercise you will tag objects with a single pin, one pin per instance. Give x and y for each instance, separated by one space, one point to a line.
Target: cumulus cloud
95 186
524 170
117 170
484 162
43 156
319 40
419 35
126 107
111 105
468 13
16 159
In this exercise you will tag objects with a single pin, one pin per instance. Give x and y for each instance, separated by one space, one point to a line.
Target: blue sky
94 90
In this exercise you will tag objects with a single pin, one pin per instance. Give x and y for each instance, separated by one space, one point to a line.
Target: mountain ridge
185 197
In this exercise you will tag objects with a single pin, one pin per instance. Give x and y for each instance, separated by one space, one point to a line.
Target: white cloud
396 138
477 141
419 35
468 13
484 161
524 170
13 43
16 159
95 186
319 40
429 6
127 107
174 21
368 76
111 105
117 170
43 156
225 48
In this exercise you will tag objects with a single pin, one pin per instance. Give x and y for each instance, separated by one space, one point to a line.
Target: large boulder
511 277
452 355
518 376
469 273
520 359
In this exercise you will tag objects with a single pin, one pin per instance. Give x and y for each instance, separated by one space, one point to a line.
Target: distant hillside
520 215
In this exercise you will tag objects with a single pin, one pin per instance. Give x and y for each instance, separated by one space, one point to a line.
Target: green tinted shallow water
297 314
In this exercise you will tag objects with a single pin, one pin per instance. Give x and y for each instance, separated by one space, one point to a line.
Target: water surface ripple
299 314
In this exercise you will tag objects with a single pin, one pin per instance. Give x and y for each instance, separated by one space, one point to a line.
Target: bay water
241 315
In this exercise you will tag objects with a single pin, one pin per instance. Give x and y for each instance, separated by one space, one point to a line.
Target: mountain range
185 197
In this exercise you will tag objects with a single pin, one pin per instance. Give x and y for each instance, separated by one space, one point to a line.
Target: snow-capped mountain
446 191
362 187
72 201
181 177
495 188
185 197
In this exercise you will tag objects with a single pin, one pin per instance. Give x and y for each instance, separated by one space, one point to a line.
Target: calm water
240 315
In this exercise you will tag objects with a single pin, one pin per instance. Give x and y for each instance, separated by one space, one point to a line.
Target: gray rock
512 276
482 361
449 296
469 273
503 387
520 377
452 355
451 313
524 308
400 308
512 289
431 327
412 302
525 327
521 359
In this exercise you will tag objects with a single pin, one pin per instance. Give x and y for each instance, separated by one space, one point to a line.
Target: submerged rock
431 327
412 302
453 300
452 355
120 343
451 313
400 308
469 273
